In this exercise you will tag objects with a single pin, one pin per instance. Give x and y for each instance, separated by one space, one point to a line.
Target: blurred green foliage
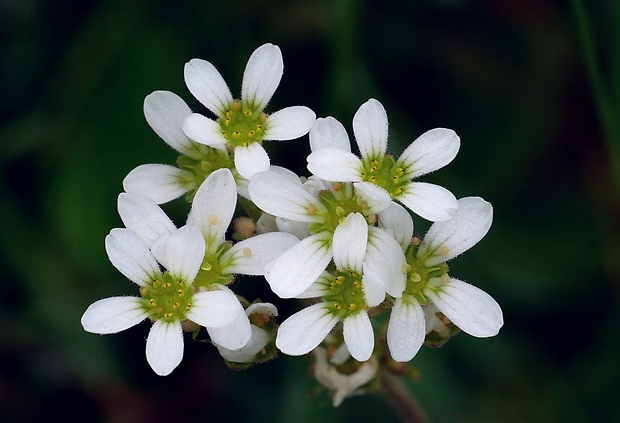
532 88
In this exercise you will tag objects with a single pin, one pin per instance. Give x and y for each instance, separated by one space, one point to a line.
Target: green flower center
385 174
242 125
167 299
210 271
420 276
339 202
204 161
346 296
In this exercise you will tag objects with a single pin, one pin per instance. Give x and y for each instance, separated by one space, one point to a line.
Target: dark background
532 88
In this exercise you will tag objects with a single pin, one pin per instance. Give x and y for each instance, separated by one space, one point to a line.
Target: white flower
242 125
167 298
331 159
321 206
428 283
356 285
165 112
343 384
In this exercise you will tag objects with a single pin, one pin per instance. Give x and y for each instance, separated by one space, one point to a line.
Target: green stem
401 400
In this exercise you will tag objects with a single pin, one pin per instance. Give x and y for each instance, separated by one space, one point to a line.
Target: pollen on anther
311 210
214 219
352 306
247 252
415 240
337 186
444 250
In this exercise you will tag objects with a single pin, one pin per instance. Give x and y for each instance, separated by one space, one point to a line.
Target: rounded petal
250 256
359 336
235 335
430 151
295 270
471 309
279 196
266 309
449 238
164 347
373 286
329 132
299 229
376 197
250 160
112 315
349 243
429 201
165 112
213 309
131 256
385 257
370 126
204 131
286 173
335 164
213 207
181 252
289 123
262 76
406 329
246 354
397 221
305 330
162 183
143 216
208 86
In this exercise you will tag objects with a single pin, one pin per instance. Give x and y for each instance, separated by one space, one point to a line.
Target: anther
337 186
444 250
214 219
352 306
415 241
339 211
311 210
247 252
206 266
236 105
415 277
263 117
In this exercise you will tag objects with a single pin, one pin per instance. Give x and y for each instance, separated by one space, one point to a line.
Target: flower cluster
340 240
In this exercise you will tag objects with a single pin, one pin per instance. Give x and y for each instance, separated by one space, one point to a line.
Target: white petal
335 164
164 347
349 243
319 288
131 256
233 336
286 173
204 131
385 257
165 112
429 201
208 86
143 216
266 309
112 315
289 123
247 353
470 224
213 309
397 221
304 330
373 286
213 207
406 329
162 183
295 270
266 223
329 132
431 151
359 336
250 256
376 197
370 126
468 307
299 229
181 252
279 196
262 76
250 160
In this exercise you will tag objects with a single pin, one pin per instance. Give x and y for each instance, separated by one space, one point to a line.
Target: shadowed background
531 87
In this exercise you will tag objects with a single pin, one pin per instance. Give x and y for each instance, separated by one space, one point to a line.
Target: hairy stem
401 400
